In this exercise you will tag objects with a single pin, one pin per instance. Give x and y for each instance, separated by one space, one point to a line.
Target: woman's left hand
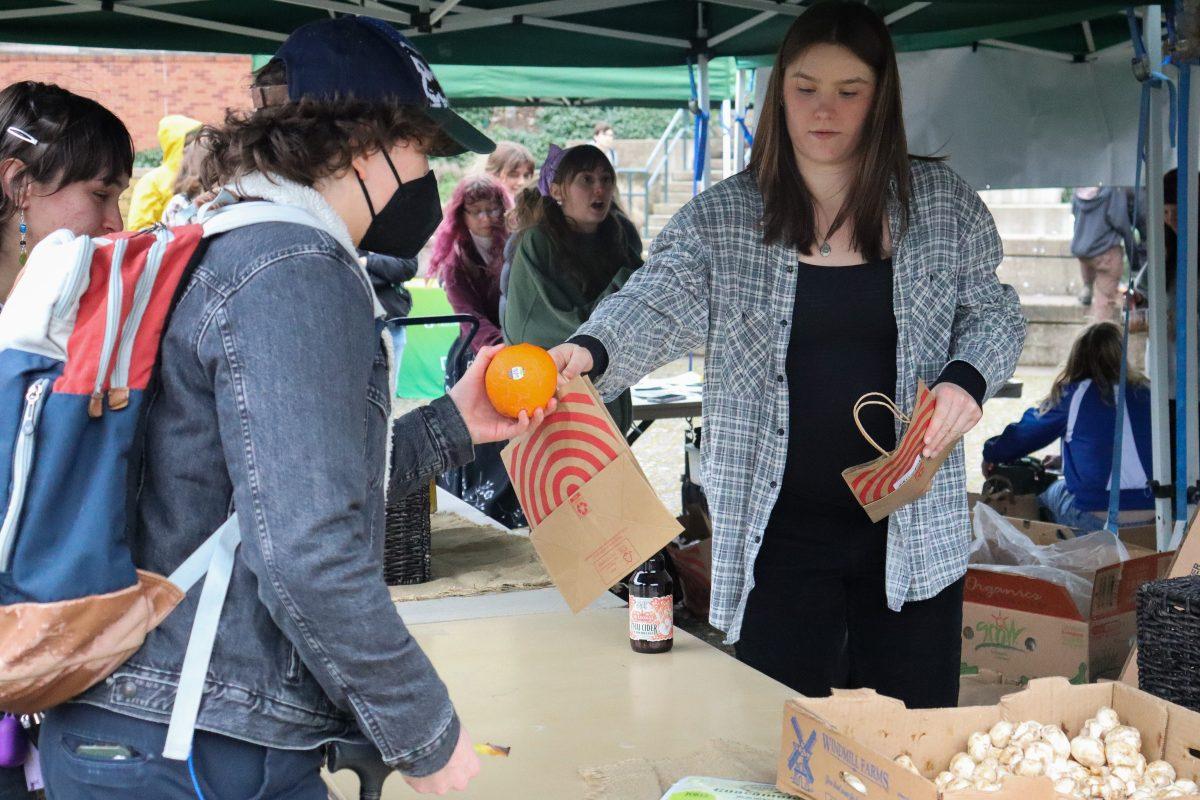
956 413
484 422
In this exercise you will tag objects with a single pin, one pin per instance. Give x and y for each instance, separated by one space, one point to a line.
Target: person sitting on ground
155 189
512 165
1081 411
575 248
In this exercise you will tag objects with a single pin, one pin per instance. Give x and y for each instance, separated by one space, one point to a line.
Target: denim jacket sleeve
290 354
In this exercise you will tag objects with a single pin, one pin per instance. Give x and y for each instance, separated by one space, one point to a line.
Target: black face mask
404 225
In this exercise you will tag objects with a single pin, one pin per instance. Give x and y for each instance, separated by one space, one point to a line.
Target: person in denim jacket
273 401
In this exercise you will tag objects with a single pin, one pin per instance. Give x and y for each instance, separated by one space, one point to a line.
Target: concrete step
1059 246
1034 219
1043 275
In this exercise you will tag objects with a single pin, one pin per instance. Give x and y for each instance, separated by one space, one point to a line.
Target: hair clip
24 136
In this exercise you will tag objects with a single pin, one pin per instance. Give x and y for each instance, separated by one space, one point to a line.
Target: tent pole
702 79
739 111
1192 145
1159 348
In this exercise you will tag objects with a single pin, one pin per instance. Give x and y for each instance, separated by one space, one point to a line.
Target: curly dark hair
309 140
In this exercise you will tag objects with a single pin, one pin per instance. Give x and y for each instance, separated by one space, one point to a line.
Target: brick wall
141 88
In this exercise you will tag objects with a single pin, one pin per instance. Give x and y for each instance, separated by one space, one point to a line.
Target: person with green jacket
574 247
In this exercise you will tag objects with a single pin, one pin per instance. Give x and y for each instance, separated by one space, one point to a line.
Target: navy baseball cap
369 59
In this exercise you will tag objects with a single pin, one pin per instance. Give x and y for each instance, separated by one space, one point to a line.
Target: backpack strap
214 557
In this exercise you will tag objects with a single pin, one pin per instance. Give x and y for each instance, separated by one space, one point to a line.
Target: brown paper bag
593 515
897 478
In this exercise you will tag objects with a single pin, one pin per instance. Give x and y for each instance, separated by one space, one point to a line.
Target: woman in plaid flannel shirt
834 265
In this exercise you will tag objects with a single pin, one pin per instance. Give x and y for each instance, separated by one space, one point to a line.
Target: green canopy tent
565 33
666 87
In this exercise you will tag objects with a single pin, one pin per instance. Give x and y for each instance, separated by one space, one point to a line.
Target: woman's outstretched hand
484 422
571 361
956 413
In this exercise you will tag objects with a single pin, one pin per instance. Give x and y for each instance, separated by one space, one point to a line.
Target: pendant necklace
825 248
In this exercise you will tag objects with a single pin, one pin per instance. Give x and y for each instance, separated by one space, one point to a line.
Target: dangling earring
23 244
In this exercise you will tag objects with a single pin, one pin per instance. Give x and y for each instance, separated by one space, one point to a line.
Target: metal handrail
658 166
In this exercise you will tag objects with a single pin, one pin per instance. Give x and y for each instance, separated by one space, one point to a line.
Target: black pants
817 618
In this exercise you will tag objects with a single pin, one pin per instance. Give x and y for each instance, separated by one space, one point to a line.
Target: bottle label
651 619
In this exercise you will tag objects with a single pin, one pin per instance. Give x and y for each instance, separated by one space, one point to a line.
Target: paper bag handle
869 399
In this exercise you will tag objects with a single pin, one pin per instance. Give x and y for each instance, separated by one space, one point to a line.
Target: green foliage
148 158
558 125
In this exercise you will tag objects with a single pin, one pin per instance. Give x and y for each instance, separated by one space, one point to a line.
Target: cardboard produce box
1025 627
842 747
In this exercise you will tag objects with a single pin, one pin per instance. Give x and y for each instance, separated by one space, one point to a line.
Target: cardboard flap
608 526
1056 700
1019 593
1114 590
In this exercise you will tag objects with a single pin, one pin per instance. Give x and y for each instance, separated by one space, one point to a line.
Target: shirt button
128 690
781 431
791 268
756 539
779 378
783 323
773 484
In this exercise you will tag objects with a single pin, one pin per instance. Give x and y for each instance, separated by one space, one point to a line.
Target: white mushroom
1026 732
1092 729
1141 793
987 771
1087 751
944 779
905 760
1054 736
959 784
1124 733
963 766
1107 718
1031 767
1121 753
1011 756
1159 774
1065 786
1139 766
1113 788
1040 751
979 746
1185 786
1126 773
1001 733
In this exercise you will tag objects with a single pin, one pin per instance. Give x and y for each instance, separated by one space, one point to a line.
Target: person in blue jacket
1081 410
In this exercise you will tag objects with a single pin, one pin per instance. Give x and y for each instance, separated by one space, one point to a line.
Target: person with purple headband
574 247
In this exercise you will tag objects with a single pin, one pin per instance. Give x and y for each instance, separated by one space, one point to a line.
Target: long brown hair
535 211
1095 355
789 214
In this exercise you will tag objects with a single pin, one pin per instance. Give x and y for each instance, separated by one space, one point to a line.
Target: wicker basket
406 539
1168 638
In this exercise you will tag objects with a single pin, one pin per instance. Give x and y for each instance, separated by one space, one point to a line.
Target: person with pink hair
468 254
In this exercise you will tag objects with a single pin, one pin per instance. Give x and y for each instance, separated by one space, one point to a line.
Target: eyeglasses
493 212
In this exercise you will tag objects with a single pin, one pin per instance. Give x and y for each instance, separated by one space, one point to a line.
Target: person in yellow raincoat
155 189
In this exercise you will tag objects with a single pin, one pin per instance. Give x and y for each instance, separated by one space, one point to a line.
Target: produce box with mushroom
1051 740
